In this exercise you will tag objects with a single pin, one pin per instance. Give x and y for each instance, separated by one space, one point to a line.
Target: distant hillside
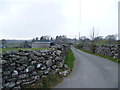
14 43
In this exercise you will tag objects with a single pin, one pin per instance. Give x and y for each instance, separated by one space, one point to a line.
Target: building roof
47 42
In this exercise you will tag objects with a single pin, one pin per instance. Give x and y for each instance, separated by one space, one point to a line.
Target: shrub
79 46
93 48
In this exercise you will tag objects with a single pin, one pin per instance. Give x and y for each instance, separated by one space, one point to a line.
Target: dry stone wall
25 67
107 50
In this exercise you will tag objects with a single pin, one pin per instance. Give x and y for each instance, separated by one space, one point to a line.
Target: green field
10 49
12 46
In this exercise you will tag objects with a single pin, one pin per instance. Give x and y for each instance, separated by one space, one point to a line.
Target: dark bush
79 46
93 48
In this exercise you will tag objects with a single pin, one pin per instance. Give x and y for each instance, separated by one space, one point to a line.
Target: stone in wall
25 67
108 50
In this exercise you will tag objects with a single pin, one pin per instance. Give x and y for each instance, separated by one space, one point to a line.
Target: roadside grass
70 59
47 82
16 49
0 50
51 80
107 57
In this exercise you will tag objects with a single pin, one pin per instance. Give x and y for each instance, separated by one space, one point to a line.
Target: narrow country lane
91 72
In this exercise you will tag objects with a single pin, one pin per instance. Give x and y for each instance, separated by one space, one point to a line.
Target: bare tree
98 39
4 42
36 39
94 34
110 38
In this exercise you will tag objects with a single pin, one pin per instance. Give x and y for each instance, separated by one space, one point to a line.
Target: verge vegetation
47 82
0 50
70 59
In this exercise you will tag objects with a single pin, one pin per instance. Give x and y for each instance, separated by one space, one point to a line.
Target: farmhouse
42 44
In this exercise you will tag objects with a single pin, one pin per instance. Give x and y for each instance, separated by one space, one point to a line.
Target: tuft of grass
107 57
70 59
47 82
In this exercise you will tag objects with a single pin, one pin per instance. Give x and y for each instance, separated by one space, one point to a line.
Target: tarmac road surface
91 71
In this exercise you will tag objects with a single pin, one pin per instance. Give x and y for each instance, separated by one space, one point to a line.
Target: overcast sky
25 19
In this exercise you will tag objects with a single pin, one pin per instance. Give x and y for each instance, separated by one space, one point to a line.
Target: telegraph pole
79 36
80 18
75 41
119 28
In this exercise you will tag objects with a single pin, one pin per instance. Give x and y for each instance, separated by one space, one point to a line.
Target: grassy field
107 57
12 46
10 49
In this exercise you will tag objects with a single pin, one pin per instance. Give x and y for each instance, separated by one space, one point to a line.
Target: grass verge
70 59
47 82
107 57
0 50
